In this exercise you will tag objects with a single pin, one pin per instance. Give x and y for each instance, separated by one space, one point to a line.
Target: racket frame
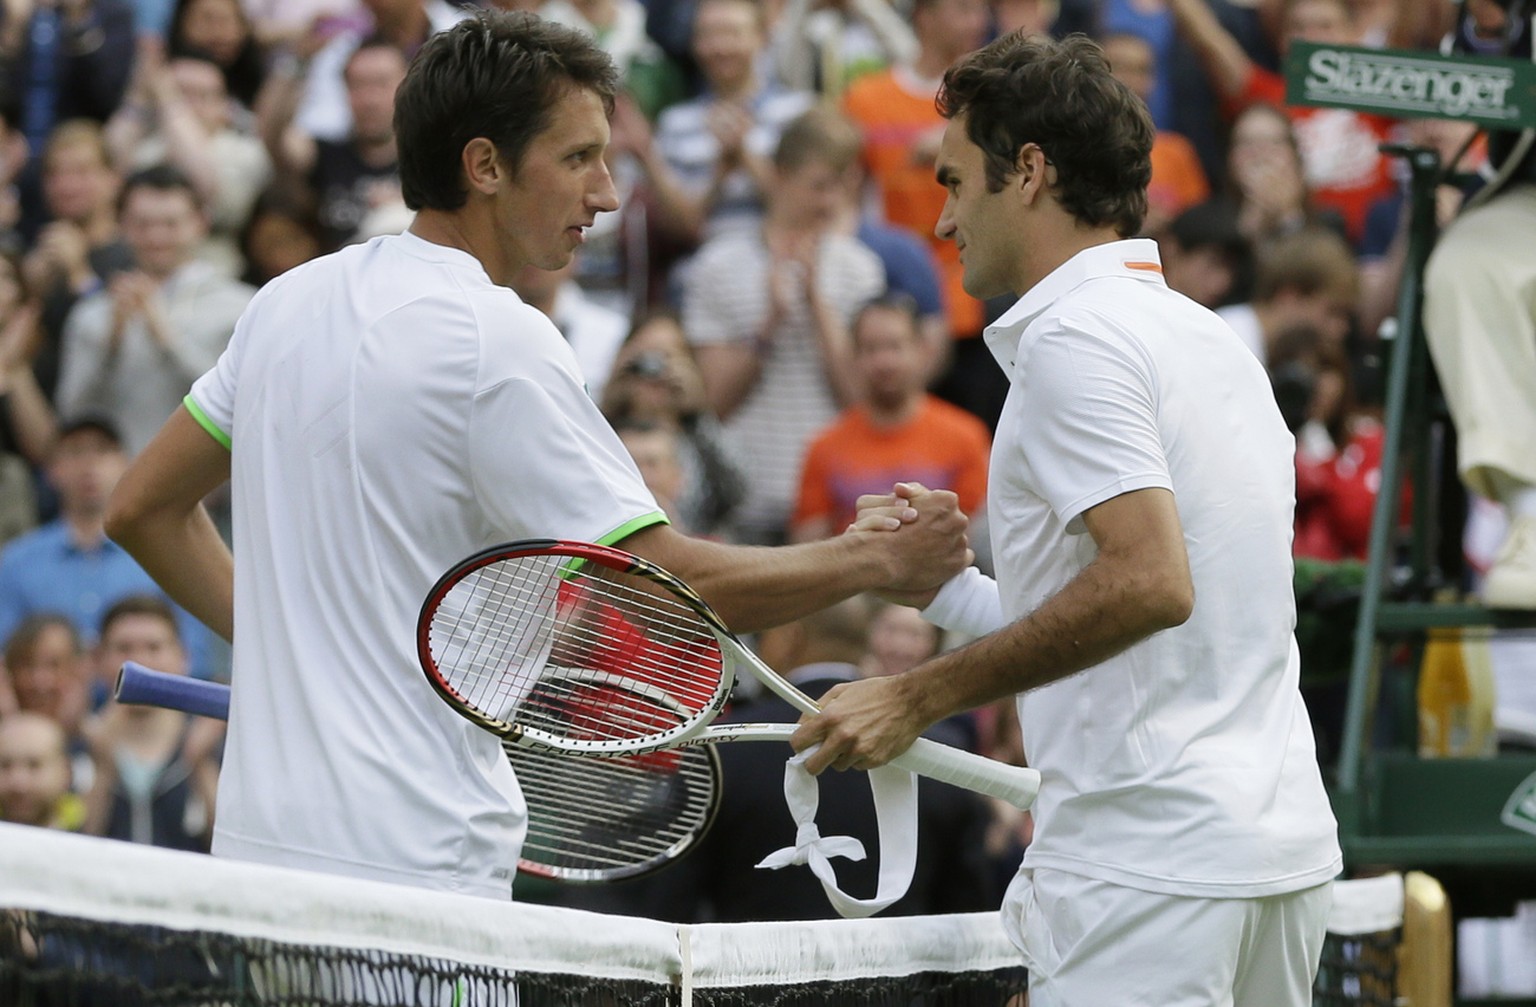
1015 784
613 559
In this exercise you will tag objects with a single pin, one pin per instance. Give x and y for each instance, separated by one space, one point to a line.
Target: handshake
922 534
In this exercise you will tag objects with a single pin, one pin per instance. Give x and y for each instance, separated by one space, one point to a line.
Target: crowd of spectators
769 320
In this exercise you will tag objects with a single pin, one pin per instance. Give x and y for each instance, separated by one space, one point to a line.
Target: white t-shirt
726 301
389 411
1185 764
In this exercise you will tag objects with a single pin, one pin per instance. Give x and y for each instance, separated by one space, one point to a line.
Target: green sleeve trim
631 526
206 423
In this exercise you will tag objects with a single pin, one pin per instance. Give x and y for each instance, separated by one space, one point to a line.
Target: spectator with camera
656 384
132 350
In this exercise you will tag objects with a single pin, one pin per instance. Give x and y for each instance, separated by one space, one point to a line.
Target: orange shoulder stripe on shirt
1149 267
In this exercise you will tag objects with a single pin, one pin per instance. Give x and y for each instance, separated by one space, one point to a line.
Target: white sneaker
1511 580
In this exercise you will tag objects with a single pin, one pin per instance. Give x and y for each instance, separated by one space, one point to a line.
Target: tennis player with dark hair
1141 506
385 411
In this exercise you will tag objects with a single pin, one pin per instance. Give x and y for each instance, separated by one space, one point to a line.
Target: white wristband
968 603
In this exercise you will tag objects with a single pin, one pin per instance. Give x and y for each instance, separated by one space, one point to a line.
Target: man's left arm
156 513
1138 584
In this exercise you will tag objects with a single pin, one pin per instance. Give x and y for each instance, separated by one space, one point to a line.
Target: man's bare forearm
754 588
190 562
1100 613
156 513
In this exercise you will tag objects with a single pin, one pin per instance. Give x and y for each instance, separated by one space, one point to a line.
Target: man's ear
1033 171
484 171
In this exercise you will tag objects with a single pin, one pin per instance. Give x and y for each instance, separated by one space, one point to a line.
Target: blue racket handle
146 687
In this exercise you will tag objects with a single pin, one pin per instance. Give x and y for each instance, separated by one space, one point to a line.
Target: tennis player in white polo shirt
384 412
1141 499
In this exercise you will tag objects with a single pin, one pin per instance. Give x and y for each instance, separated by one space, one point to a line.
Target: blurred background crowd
768 321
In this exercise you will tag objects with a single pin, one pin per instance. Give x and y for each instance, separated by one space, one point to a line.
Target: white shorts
1089 943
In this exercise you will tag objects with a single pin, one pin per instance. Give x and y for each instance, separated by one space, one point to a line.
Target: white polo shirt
389 412
1186 764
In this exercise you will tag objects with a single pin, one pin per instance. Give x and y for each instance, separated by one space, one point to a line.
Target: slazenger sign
1500 93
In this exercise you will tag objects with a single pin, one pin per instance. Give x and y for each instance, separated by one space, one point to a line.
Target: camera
650 364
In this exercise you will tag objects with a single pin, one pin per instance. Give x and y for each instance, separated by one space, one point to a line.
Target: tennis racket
602 820
586 649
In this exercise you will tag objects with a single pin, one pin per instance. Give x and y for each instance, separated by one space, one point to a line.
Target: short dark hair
497 75
374 41
161 178
1061 96
896 301
141 604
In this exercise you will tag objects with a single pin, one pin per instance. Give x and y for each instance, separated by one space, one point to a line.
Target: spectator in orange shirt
896 432
894 109
1178 180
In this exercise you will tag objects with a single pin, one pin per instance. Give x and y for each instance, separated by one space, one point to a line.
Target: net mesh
91 922
1359 960
88 922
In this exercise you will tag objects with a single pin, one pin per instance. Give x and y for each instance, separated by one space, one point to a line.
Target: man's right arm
757 587
156 513
1227 65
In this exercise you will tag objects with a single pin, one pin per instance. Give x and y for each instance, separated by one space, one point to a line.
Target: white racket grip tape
1017 785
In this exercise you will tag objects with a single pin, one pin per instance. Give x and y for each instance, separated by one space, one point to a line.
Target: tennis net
94 922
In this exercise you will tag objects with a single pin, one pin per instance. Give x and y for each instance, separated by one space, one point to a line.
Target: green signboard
1497 93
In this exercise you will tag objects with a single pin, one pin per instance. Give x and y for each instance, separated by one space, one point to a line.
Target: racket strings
616 815
565 647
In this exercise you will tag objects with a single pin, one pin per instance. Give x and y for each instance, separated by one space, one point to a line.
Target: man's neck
1053 250
466 232
376 152
741 90
86 530
892 414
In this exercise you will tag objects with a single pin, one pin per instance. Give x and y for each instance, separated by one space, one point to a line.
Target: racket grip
146 687
1015 784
